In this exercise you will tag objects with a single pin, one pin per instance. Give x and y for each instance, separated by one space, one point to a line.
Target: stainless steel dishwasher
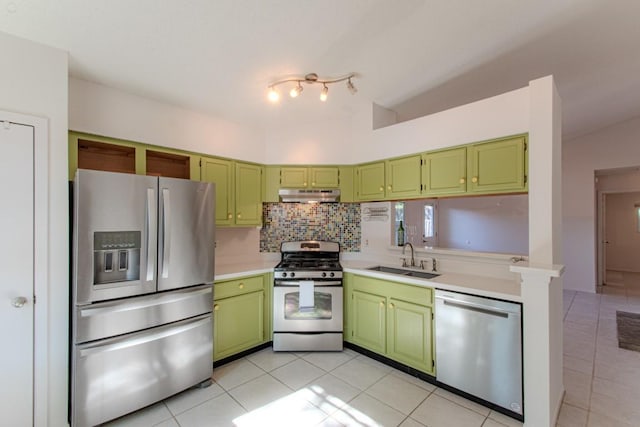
479 347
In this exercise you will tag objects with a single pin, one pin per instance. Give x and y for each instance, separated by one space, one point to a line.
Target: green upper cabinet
403 177
238 190
294 177
497 166
324 177
248 209
171 163
445 172
346 184
309 177
370 180
220 172
271 184
115 155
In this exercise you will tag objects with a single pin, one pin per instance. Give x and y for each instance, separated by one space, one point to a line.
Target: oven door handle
317 283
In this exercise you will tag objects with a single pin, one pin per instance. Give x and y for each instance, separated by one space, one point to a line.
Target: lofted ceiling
411 56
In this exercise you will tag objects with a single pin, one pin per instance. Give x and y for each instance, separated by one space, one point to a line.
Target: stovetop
309 260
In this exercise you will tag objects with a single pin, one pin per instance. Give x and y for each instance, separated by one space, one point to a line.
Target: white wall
105 111
501 115
612 147
33 81
485 224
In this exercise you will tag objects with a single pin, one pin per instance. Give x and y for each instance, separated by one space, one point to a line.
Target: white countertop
233 271
478 285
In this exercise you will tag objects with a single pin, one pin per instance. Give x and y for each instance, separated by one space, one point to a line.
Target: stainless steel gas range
307 297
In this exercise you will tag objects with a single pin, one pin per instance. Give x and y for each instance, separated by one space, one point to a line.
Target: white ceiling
412 56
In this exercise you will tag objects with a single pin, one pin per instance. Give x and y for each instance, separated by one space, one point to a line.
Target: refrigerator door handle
157 300
151 232
140 338
166 235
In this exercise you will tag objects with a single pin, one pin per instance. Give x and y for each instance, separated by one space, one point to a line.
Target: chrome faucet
413 260
433 264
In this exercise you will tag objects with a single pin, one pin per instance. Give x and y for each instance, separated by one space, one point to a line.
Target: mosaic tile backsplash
336 222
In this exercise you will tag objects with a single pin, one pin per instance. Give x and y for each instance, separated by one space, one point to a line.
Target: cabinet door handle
241 285
216 307
388 187
381 188
313 184
239 215
461 180
474 179
381 303
391 306
304 184
229 215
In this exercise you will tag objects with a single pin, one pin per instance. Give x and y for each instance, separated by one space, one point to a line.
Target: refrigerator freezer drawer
119 375
117 317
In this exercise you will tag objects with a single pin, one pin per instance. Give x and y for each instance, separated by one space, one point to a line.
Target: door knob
18 302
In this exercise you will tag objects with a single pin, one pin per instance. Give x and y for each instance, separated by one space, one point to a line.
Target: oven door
324 316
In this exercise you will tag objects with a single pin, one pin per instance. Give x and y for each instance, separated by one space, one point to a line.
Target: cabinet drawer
238 287
414 294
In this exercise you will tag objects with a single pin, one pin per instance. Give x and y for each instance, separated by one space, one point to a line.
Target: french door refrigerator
142 291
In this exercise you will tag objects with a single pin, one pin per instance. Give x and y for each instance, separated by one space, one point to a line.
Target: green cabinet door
445 172
497 166
370 181
294 177
324 177
368 321
220 172
409 329
346 184
271 184
248 194
237 324
403 177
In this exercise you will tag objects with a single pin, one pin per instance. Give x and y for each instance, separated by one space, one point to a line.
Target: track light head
296 91
351 87
324 93
274 96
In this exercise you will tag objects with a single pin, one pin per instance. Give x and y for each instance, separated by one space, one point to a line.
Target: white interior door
17 272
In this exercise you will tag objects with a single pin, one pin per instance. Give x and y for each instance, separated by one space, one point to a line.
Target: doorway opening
618 231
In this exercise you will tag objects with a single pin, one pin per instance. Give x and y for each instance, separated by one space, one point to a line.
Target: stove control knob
293 274
284 274
331 274
324 274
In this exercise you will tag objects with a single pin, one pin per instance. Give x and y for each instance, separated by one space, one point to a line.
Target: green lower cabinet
241 313
369 321
392 319
237 324
410 335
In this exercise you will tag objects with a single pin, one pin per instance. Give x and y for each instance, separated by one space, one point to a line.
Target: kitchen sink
403 272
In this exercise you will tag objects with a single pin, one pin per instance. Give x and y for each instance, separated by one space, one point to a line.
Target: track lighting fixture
324 92
310 78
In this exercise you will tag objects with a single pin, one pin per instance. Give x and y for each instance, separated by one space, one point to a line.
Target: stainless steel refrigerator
142 291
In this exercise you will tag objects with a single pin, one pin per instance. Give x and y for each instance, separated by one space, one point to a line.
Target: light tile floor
602 385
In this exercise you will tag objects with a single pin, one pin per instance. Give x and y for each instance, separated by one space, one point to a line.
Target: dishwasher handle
465 305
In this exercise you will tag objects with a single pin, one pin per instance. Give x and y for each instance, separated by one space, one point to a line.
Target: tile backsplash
337 222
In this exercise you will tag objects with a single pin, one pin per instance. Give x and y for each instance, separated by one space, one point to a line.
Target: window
429 236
